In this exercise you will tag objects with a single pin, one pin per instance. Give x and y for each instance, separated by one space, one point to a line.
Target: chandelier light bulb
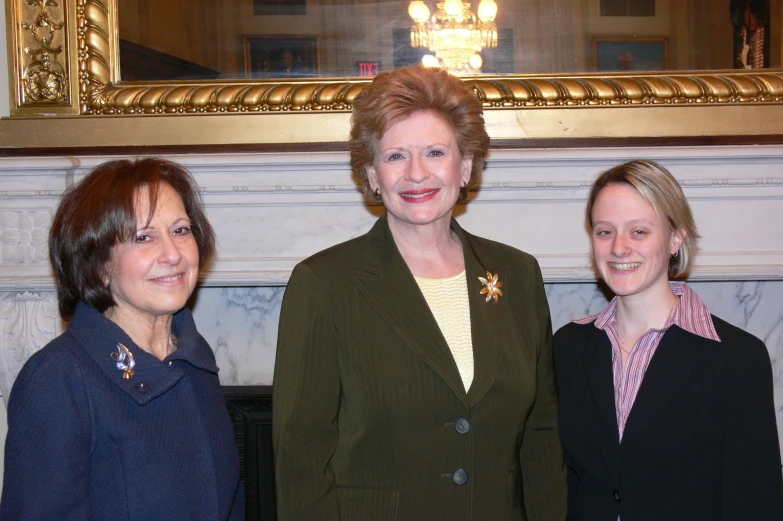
428 60
475 62
453 8
419 11
487 10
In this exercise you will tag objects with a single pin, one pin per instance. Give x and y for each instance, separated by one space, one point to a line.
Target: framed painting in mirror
281 57
619 55
279 7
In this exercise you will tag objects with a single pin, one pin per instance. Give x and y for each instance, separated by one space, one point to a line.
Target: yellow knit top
448 301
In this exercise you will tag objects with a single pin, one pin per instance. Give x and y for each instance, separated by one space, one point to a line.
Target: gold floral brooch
491 287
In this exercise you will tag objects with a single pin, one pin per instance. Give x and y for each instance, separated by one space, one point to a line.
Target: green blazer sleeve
306 401
541 455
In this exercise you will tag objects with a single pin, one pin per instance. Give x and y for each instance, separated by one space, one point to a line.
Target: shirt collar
99 337
690 314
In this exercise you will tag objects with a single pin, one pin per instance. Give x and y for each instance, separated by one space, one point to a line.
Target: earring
378 193
675 254
463 184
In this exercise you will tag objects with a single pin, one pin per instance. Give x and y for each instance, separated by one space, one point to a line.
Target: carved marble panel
24 235
28 321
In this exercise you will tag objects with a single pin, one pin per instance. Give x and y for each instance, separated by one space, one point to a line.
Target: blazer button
142 387
460 477
462 426
617 496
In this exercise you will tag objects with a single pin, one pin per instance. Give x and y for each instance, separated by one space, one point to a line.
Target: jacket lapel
487 319
598 368
389 287
677 356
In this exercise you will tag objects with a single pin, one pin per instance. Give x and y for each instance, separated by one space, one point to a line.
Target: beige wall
198 40
181 28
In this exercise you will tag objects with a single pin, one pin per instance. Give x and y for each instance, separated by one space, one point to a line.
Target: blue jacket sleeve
49 442
238 508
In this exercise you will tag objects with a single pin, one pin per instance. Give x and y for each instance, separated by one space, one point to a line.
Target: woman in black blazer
666 412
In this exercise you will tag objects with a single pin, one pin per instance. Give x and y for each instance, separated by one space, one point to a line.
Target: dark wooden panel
250 408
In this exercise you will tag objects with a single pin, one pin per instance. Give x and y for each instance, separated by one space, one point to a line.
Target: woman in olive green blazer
372 420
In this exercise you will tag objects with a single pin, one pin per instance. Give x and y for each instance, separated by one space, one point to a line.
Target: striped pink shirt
689 313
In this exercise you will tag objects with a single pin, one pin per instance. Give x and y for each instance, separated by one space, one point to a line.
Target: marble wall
241 323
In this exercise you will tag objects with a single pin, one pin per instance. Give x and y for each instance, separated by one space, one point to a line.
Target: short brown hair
398 94
659 188
100 212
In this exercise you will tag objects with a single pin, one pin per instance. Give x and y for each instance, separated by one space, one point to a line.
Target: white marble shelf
272 210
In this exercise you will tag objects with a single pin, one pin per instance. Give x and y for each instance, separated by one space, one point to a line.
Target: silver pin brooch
124 360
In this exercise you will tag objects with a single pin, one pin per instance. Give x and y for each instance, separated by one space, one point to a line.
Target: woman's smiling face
631 244
418 169
155 274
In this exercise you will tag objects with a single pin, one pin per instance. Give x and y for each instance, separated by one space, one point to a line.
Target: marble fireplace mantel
272 210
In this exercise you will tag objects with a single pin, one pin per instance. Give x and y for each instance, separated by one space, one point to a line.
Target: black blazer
700 443
371 419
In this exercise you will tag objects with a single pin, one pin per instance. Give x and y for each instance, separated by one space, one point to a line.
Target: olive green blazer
371 419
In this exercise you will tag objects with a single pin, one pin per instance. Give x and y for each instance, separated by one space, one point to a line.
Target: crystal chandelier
454 34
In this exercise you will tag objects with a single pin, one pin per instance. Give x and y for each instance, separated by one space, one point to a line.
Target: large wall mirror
263 39
283 71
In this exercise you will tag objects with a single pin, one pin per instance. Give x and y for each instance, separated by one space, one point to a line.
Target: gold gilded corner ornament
44 79
491 287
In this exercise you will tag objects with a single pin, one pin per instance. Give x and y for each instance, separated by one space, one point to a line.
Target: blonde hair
659 188
399 93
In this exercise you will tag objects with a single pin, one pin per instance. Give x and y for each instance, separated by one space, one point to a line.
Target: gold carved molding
496 93
101 96
80 41
95 52
43 75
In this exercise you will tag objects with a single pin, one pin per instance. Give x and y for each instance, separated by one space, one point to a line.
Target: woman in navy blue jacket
121 417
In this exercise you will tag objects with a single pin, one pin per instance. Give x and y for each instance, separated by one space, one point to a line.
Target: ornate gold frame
64 62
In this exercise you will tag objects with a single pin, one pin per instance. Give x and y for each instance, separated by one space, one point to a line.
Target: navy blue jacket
85 444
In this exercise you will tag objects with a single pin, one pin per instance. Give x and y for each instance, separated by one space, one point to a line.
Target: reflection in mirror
274 39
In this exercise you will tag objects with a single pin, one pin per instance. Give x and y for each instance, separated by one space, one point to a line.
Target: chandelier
454 34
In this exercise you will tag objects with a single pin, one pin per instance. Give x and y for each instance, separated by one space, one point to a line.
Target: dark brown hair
398 94
100 212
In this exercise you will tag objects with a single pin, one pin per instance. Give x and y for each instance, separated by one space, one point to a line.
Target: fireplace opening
250 408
